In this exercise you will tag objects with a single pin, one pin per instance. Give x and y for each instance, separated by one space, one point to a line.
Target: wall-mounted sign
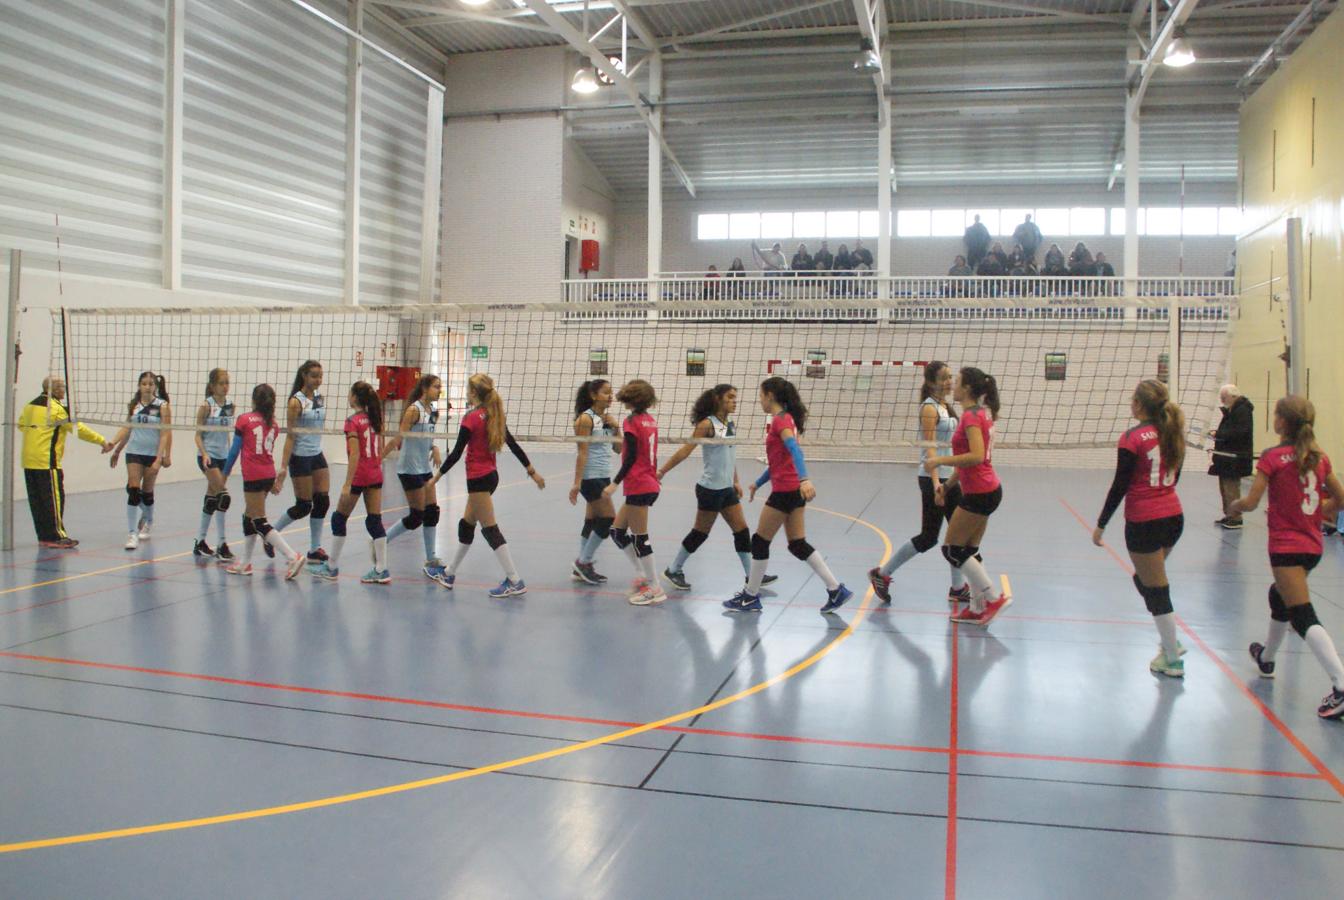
597 362
816 364
1056 366
695 362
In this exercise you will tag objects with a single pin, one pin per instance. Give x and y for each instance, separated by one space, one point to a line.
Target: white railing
804 287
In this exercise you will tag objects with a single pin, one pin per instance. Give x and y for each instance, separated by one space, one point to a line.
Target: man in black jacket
1232 447
977 242
1029 236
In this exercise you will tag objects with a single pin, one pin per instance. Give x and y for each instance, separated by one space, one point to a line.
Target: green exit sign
478 326
480 352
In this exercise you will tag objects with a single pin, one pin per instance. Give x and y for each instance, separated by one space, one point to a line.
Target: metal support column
354 154
432 201
11 405
172 145
884 202
655 226
1131 266
1297 313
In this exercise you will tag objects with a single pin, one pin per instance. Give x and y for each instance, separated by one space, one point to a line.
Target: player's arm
292 412
629 453
166 436
1252 498
202 412
463 435
974 455
518 453
583 427
703 429
408 418
1334 502
352 459
1125 461
790 439
234 449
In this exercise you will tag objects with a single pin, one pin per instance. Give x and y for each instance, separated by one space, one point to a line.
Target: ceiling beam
639 26
1040 11
1139 12
560 25
1304 19
754 20
1175 19
872 20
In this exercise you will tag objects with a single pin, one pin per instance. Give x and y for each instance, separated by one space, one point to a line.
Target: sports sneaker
324 571
881 584
586 573
373 576
678 580
1230 524
144 530
768 579
743 602
446 580
433 569
959 595
637 587
201 548
968 616
507 588
836 598
132 541
1162 665
1332 707
1266 666
293 566
223 553
239 568
317 556
650 596
61 544
993 608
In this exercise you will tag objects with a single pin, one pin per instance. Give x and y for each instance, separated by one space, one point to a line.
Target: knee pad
132 496
1138 585
642 547
413 520
587 528
493 536
801 549
261 526
1157 599
742 541
1277 610
924 542
321 505
975 554
602 526
338 520
691 541
248 528
146 498
211 505
432 515
760 547
466 532
956 555
374 526
620 537
224 501
1302 617
300 509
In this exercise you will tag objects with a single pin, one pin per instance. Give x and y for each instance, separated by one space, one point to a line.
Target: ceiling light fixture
1179 54
475 2
867 61
585 82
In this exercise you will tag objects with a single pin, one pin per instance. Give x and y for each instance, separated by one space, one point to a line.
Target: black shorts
1306 561
786 501
982 504
486 484
357 489
210 462
932 515
140 459
303 466
260 486
413 482
715 500
591 489
1153 535
641 499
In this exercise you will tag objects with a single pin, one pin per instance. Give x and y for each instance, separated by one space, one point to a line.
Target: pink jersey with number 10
258 444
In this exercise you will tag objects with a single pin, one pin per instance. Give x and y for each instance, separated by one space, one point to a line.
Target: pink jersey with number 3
369 469
258 444
1294 501
1152 488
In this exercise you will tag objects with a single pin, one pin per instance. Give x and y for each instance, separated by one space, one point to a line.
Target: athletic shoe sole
293 567
1256 649
677 580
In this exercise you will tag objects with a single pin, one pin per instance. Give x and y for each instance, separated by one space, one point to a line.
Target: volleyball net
1065 366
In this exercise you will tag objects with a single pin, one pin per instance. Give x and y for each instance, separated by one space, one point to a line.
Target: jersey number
1311 495
265 442
653 451
1156 476
370 442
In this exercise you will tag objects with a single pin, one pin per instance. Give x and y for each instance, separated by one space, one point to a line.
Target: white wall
588 206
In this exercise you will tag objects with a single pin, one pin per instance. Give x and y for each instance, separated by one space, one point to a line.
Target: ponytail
982 388
302 373
160 390
216 375
367 397
422 384
926 390
1299 427
263 401
482 387
786 395
583 400
1154 401
707 404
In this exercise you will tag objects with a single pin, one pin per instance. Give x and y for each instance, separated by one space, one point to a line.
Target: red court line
950 875
1140 764
1289 735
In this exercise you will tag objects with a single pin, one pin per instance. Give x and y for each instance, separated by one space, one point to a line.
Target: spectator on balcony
1054 261
997 252
802 260
1028 236
977 243
843 267
824 259
1081 263
862 256
960 269
713 287
736 270
1104 268
771 262
1019 263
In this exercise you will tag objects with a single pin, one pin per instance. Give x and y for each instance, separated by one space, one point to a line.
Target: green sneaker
1163 666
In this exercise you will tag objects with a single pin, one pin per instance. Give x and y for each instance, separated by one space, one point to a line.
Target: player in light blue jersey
212 450
419 460
148 449
718 492
593 468
302 459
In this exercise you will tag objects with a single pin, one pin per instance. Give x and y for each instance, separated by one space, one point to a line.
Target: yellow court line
614 736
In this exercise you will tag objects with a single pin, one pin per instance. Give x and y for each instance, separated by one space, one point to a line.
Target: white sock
649 568
314 532
958 579
903 555
147 513
132 518
506 562
823 571
274 538
1166 630
1277 632
982 589
630 554
380 554
249 547
220 519
205 525
1324 650
337 545
758 567
458 556
431 536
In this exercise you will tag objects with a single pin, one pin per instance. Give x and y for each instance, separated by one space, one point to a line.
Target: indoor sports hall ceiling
763 93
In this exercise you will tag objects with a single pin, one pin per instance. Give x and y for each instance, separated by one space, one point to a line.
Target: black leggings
932 516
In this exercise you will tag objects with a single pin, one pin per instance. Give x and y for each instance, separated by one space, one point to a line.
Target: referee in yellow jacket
45 423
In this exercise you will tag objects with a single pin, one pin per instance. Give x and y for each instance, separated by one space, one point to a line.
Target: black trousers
46 501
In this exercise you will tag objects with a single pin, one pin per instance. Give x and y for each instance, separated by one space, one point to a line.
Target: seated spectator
996 251
1104 268
824 259
1081 263
1054 261
862 255
959 267
843 267
771 262
712 290
990 266
802 260
736 270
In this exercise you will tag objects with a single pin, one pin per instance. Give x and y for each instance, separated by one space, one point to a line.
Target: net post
11 386
1174 349
1297 313
65 367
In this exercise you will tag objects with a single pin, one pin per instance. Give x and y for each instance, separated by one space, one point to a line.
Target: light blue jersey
216 443
943 431
720 459
598 464
312 414
145 441
416 452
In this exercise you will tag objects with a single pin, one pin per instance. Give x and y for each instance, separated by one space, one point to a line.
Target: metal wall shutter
81 123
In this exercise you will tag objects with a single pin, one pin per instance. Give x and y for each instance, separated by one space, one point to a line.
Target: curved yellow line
337 800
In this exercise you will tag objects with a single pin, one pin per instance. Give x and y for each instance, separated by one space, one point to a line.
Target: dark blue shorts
304 466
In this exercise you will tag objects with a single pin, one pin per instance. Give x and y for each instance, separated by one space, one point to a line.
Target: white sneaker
144 530
295 564
650 596
132 541
637 588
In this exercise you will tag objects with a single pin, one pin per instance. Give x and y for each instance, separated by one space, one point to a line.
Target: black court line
128 615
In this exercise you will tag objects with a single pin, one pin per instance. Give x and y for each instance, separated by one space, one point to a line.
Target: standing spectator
862 256
824 259
1054 261
1081 263
1029 236
45 423
977 242
1232 448
802 260
736 270
772 262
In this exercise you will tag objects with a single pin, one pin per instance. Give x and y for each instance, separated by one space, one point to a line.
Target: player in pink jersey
363 478
972 460
254 435
483 433
1148 465
790 491
1294 473
638 479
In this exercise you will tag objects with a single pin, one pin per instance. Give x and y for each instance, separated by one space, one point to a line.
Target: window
1052 222
842 224
1229 220
744 226
1118 220
869 223
1087 220
809 224
1163 220
912 223
1200 220
776 226
990 219
948 223
712 227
